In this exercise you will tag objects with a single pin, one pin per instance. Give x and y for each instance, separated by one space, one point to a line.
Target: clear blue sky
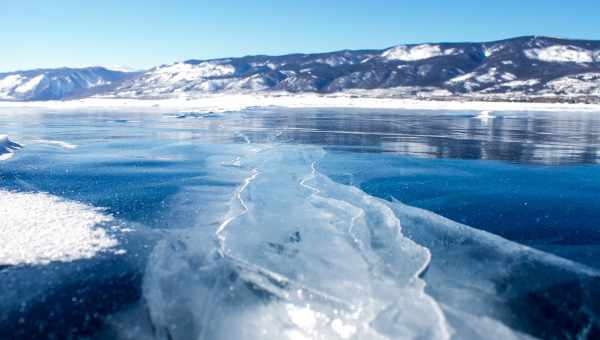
44 33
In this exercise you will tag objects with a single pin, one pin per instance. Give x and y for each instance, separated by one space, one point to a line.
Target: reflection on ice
544 138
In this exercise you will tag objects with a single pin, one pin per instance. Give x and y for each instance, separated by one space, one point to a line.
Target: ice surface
487 285
484 116
62 144
63 300
7 147
268 247
38 228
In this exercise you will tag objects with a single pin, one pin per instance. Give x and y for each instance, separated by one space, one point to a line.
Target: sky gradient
141 34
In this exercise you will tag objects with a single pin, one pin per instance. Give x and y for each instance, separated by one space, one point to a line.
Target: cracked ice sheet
298 256
302 257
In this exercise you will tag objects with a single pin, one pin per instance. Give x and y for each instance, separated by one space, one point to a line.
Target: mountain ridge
520 68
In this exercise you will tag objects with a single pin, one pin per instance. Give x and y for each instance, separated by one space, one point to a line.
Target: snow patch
288 73
38 228
462 78
123 68
585 83
419 52
10 82
345 331
474 80
491 50
560 54
189 72
30 85
335 60
492 76
521 83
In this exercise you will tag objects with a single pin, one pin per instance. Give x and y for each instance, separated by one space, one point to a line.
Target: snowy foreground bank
220 103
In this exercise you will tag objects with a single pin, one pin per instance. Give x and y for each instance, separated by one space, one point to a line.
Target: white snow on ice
38 228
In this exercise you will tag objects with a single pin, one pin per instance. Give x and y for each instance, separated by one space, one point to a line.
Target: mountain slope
63 83
525 66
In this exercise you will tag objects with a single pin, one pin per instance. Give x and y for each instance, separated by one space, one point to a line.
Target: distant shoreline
237 102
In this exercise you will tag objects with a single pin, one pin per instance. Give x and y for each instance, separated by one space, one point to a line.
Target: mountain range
523 68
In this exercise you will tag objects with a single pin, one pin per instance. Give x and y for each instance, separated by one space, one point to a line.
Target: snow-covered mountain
517 68
521 68
63 83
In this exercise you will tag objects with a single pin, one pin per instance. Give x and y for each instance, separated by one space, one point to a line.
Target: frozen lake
300 224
